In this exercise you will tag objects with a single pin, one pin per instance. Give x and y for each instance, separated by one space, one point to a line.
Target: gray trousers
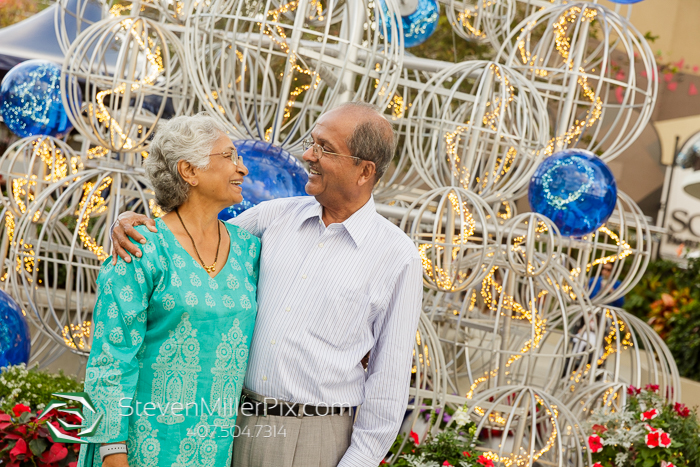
274 441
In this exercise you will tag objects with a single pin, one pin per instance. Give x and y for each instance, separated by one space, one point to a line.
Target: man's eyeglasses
318 151
232 155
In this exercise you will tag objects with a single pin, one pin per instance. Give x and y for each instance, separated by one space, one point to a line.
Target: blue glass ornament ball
419 23
575 189
272 173
30 100
626 2
15 340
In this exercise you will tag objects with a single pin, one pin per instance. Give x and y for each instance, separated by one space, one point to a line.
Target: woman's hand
122 229
116 460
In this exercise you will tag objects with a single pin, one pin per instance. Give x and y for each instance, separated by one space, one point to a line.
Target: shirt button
264 378
304 276
272 342
288 309
320 245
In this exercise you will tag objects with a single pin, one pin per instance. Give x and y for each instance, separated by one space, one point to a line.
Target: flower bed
648 432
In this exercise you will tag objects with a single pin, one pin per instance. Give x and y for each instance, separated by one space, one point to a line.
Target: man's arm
389 372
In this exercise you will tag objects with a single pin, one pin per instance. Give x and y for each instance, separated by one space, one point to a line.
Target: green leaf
38 446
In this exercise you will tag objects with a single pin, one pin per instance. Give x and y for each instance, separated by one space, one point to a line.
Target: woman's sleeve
120 315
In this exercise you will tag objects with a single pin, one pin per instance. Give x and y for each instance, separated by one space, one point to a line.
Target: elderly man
336 281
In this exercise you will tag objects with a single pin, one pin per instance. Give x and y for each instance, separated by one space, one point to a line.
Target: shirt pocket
341 318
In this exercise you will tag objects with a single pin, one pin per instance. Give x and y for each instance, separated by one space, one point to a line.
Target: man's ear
369 170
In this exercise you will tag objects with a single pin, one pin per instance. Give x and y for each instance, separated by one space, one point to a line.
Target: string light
92 205
77 335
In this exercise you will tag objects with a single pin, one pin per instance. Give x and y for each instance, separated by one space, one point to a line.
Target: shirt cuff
355 458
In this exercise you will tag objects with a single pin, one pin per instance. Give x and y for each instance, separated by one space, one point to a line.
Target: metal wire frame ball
624 243
509 330
522 425
456 236
402 176
594 70
59 262
480 125
533 242
32 164
132 69
268 76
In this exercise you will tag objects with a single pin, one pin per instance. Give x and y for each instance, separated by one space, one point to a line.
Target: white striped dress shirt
326 296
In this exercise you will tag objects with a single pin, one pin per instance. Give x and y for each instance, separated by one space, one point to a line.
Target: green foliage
668 298
453 445
32 388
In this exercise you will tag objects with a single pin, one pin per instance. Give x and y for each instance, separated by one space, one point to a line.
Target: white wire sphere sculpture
532 242
402 176
509 329
268 75
623 243
480 126
31 165
72 17
595 71
456 236
61 253
133 74
525 426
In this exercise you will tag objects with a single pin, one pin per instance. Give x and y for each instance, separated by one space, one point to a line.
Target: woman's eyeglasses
232 155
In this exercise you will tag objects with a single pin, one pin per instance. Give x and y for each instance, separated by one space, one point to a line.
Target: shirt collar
358 225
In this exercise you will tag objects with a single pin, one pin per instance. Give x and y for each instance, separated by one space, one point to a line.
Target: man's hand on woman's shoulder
123 229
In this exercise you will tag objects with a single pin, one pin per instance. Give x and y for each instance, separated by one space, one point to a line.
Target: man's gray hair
373 140
188 138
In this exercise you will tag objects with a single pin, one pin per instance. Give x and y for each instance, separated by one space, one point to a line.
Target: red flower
632 391
667 464
465 453
652 439
649 414
595 444
414 437
599 429
19 409
57 452
447 464
485 461
597 464
681 409
652 387
664 440
20 449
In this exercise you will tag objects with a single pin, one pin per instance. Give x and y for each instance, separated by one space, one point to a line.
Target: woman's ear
188 172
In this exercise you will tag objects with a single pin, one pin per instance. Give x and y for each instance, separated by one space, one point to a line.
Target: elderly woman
172 328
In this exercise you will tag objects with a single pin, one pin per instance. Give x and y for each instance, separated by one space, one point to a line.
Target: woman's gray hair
188 138
374 139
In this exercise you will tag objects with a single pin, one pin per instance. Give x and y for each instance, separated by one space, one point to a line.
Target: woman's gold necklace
211 268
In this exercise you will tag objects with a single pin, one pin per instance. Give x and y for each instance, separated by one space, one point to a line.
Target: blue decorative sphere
273 173
15 340
30 100
626 2
419 19
575 189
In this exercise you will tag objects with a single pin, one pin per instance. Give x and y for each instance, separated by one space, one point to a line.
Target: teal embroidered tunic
169 352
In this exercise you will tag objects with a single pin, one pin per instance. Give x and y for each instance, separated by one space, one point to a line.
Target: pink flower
414 437
649 414
681 409
632 391
485 461
652 387
595 444
667 464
